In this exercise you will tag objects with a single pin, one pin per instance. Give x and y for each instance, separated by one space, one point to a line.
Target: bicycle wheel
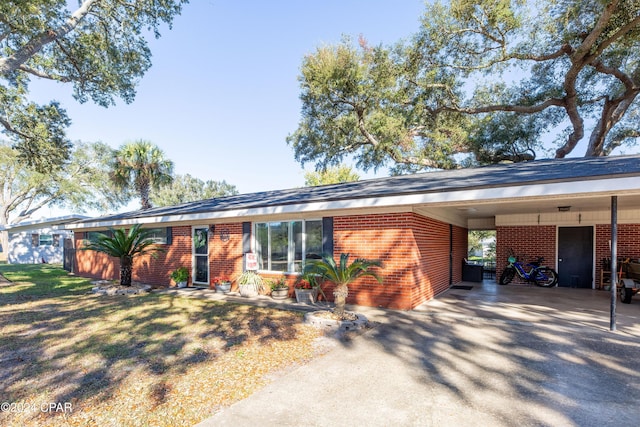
546 277
507 276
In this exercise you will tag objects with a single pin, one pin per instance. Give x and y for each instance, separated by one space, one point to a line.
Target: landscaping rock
106 287
337 328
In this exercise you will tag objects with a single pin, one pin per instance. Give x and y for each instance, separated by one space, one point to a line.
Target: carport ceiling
490 209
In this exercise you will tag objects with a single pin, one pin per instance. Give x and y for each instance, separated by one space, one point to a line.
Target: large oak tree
84 183
480 82
99 48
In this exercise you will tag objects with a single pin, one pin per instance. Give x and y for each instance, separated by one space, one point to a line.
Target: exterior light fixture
564 208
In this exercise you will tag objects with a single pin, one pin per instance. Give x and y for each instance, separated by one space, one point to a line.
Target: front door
201 255
575 257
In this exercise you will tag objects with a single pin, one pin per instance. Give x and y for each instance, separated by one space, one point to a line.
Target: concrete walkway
493 355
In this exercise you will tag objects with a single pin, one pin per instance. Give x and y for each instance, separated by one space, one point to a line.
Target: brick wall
93 264
460 251
146 269
225 251
436 252
387 237
156 271
628 244
415 251
527 242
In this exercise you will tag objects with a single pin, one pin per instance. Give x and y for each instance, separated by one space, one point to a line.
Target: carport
529 305
575 215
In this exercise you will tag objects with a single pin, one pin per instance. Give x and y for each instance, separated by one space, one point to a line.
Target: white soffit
559 190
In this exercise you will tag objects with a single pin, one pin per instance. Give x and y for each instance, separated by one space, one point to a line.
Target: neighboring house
416 224
39 241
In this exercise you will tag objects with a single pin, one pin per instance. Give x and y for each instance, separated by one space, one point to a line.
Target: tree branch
579 59
565 49
523 109
8 126
589 41
363 129
22 55
617 36
43 75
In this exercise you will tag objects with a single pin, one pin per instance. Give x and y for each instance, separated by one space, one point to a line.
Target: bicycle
535 272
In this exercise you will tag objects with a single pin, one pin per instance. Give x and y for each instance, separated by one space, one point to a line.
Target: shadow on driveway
510 356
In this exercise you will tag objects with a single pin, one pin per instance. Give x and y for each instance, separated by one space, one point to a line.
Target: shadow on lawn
79 346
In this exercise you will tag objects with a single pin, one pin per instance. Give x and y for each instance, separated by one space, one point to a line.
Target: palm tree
141 165
341 275
125 246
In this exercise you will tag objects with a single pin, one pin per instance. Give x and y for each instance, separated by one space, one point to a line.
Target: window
92 236
161 236
46 240
284 245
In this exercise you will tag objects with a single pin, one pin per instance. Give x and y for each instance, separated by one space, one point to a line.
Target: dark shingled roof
494 176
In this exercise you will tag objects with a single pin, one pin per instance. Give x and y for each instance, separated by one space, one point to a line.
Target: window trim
48 242
290 240
168 236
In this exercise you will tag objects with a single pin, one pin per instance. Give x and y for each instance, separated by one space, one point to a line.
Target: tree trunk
35 45
612 113
340 298
4 245
143 189
4 235
126 266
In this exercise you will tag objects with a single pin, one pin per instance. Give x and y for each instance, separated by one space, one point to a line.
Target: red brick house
416 224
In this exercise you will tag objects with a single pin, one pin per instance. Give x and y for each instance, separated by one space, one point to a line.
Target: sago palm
125 246
342 275
143 166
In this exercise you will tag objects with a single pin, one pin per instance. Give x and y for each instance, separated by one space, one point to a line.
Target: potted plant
250 284
221 283
180 275
279 288
306 289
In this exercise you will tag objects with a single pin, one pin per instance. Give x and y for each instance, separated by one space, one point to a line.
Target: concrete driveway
492 355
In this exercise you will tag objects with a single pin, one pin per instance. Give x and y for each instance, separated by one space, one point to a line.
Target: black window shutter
35 239
246 237
327 235
169 235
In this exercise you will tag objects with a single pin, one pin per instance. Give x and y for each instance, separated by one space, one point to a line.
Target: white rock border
107 287
334 327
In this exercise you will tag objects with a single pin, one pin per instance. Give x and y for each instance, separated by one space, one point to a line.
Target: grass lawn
149 360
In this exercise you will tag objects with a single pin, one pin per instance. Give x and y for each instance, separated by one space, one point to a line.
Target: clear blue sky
222 94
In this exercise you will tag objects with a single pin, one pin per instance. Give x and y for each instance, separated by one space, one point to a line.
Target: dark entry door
575 257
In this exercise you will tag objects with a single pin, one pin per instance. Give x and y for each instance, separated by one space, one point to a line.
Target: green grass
154 359
42 280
